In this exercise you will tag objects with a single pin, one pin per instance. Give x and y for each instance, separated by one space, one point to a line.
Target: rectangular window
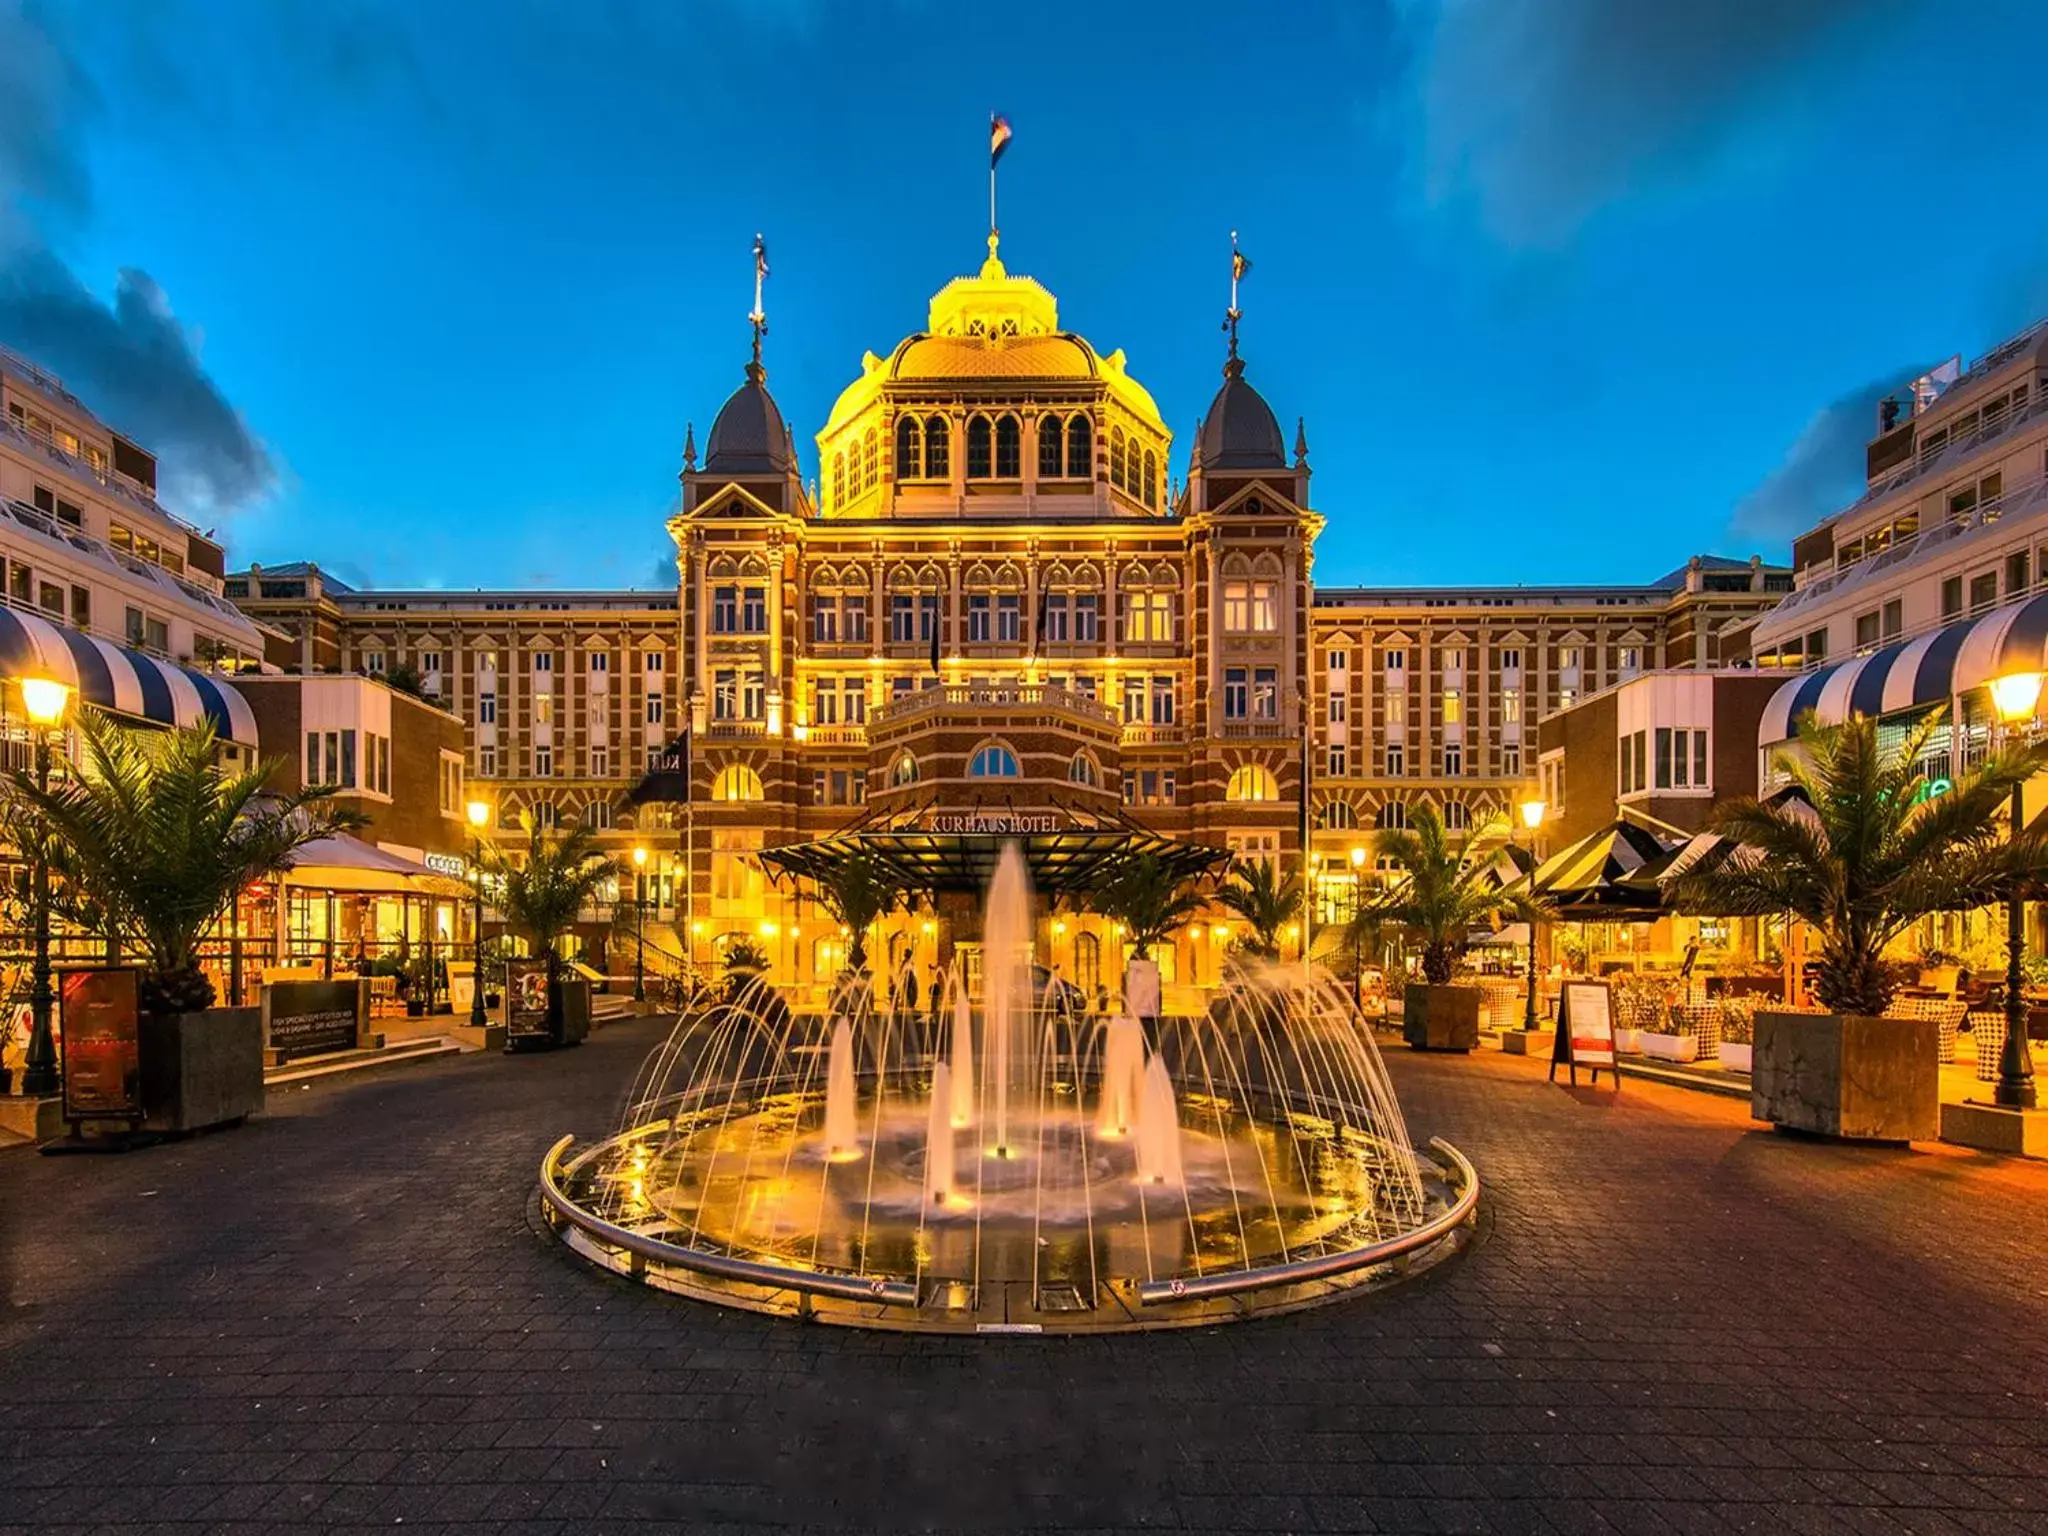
1397 660
1664 757
348 760
655 705
725 610
1134 701
2016 573
21 587
311 772
1952 597
1454 659
600 762
543 709
1265 693
1511 659
1087 617
373 663
1983 594
1454 759
902 618
824 621
977 618
754 610
1397 709
430 661
1454 707
856 702
1237 607
156 636
1056 629
1817 642
487 762
1265 611
544 664
1894 615
597 815
1397 760
52 597
1631 658
543 763
653 662
1009 611
1338 704
927 617
1337 760
81 607
1236 693
1511 760
1568 657
1699 759
1866 629
600 661
856 612
725 695
752 696
1510 706
487 709
1162 701
825 703
902 687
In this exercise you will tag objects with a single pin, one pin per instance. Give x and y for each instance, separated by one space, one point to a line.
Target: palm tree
1257 893
1147 898
541 896
1870 852
858 890
150 844
1447 891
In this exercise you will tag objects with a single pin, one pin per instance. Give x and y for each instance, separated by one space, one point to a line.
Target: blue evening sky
1565 291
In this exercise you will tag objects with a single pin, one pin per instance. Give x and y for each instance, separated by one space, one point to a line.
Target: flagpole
991 193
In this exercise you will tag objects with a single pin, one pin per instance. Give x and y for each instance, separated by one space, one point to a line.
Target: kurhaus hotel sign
994 823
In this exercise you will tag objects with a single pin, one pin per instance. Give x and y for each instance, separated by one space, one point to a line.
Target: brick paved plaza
345 1316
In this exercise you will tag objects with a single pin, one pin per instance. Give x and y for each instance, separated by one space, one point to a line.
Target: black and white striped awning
1912 674
124 681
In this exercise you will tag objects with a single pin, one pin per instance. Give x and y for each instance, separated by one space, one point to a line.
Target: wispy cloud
1822 471
1537 115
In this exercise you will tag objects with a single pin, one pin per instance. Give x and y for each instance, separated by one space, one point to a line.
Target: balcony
836 735
735 730
1252 730
1137 734
124 486
994 701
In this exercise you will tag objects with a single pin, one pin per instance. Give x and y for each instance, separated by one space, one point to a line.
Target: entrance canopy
1066 863
340 862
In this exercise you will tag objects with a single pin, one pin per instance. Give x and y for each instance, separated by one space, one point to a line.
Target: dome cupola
1240 431
750 437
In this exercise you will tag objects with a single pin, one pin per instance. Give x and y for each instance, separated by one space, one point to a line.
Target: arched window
1457 816
871 461
1393 816
838 479
739 782
903 770
1252 782
1151 488
937 463
1339 816
1116 457
909 449
994 761
1080 446
1050 458
1009 449
1082 770
980 453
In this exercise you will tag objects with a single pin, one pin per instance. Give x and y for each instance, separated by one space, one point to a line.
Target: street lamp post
2015 696
45 701
1532 818
479 816
639 925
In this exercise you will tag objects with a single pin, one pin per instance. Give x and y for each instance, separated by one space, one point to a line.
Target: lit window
937 462
1080 449
1252 782
737 782
903 770
993 762
1454 707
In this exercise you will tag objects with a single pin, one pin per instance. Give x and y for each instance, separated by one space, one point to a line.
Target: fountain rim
560 1209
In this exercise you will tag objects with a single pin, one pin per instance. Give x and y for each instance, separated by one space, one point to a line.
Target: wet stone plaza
350 1316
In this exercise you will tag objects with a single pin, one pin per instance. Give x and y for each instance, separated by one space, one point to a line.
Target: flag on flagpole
935 635
760 257
998 137
1038 628
1239 265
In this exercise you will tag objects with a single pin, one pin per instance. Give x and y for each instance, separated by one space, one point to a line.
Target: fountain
1012 1163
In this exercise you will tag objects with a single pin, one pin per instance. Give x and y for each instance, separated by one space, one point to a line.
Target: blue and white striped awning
1912 674
124 681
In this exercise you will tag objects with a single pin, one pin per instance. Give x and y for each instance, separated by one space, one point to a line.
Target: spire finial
1300 443
759 316
1239 265
689 445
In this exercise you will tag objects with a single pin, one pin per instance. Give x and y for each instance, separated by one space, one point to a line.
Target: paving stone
343 1317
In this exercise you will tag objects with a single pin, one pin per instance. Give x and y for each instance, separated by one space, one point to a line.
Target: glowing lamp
768 929
697 930
1058 928
45 699
2013 695
928 928
1358 858
1532 810
1220 931
479 814
640 857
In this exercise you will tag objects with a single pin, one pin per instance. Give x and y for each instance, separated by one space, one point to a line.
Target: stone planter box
1844 1075
1736 1058
1441 1018
201 1069
1628 1042
1662 1047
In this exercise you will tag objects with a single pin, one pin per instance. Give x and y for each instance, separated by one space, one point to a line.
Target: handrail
1323 1266
893 1293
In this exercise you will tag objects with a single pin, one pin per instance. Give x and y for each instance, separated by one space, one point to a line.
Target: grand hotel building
993 610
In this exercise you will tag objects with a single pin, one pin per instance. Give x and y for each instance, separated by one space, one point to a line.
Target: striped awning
1912 674
123 681
1593 874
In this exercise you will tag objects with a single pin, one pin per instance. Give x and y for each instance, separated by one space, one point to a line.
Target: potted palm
858 890
148 846
1447 889
1149 900
541 897
1257 893
1863 855
744 961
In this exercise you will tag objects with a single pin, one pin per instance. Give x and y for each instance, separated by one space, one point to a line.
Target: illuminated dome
749 437
1240 431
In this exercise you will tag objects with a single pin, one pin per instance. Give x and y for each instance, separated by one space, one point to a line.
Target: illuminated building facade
993 613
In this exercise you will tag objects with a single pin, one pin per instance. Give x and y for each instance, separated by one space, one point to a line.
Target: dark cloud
136 364
46 98
1822 472
1539 114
